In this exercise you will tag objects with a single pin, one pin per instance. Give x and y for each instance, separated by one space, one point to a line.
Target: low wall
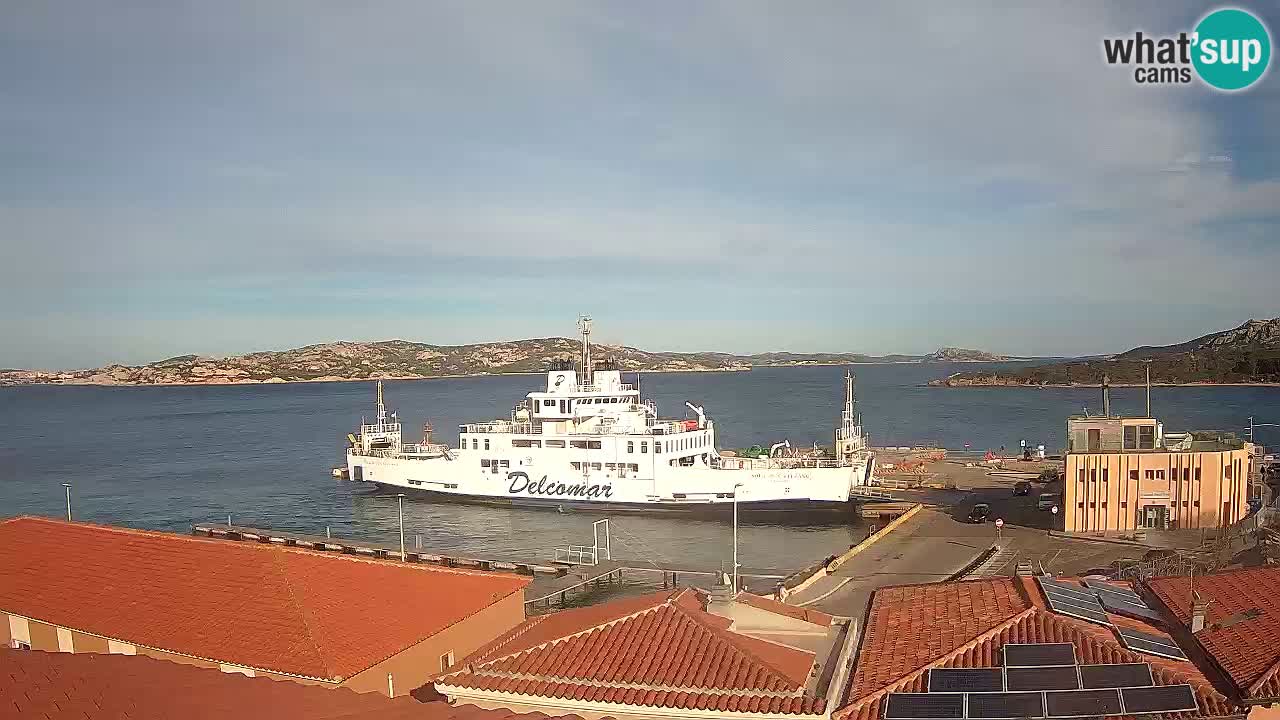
825 570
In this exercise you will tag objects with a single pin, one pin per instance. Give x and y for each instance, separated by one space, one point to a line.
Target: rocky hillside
952 354
1249 353
404 359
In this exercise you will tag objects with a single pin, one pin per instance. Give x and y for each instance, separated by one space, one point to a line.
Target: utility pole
735 538
400 503
1148 364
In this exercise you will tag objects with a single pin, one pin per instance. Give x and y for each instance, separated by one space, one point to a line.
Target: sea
168 457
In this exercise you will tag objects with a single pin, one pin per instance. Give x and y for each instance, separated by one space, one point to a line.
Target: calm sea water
165 458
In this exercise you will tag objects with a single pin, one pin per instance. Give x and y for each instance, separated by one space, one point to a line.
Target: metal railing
500 426
740 463
576 555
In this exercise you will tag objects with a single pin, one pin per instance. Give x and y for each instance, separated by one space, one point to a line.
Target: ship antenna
584 322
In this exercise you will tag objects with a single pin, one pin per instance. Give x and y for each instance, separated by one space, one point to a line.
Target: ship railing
424 449
501 426
620 387
667 427
737 463
379 428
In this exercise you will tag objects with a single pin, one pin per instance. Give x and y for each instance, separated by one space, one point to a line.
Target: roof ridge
732 638
638 686
321 656
583 631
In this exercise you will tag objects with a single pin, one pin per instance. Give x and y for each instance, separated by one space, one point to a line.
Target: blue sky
217 178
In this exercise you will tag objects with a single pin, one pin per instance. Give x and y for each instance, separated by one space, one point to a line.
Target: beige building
1125 473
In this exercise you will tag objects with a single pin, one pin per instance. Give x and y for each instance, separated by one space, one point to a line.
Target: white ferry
590 441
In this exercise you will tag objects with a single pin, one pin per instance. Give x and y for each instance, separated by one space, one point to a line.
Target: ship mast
584 323
382 408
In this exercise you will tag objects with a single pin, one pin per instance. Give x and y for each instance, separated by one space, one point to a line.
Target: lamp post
400 504
735 538
1253 425
68 487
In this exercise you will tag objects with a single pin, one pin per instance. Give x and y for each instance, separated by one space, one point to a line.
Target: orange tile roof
62 686
1244 647
259 605
659 650
912 628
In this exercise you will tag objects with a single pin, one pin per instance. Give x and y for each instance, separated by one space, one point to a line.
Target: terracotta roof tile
965 624
1244 647
62 686
259 605
660 650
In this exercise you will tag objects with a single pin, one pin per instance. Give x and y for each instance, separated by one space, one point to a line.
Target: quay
553 582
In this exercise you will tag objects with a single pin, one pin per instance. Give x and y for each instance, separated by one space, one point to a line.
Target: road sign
1055 509
999 523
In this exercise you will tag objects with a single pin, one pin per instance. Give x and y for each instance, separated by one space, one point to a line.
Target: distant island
395 359
1248 354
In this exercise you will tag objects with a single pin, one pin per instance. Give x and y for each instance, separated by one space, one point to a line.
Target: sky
224 177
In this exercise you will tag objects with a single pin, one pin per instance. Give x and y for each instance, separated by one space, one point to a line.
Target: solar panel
1063 677
1072 607
1006 705
1115 676
1108 588
1151 644
1116 604
924 706
1063 588
1167 698
966 680
1023 654
1082 703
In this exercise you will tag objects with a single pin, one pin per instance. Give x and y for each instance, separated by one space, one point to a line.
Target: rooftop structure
248 608
914 630
672 653
61 686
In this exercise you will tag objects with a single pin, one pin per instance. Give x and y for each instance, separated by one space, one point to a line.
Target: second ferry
590 441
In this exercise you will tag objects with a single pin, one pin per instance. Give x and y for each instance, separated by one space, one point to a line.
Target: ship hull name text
520 483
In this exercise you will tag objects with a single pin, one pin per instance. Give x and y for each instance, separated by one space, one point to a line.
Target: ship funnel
700 412
1106 395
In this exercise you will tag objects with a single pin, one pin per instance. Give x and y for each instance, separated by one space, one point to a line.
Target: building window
1131 437
644 447
1123 504
1093 476
1197 475
1159 474
20 645
1081 505
1196 504
1104 474
1146 437
631 446
446 661
1080 475
1151 474
1133 474
1228 471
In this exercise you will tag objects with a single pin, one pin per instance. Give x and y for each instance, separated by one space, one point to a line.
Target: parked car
980 513
1022 487
1046 501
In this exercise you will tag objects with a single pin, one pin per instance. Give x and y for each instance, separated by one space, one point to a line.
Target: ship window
594 444
575 465
635 467
631 446
555 443
644 447
657 446
486 443
506 463
595 466
579 444
415 482
475 444
548 403
564 407
484 463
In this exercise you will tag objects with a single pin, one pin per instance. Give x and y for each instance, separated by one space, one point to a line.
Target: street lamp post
735 538
400 504
68 487
1253 425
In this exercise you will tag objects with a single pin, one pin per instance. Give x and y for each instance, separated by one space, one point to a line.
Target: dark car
980 513
1022 487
